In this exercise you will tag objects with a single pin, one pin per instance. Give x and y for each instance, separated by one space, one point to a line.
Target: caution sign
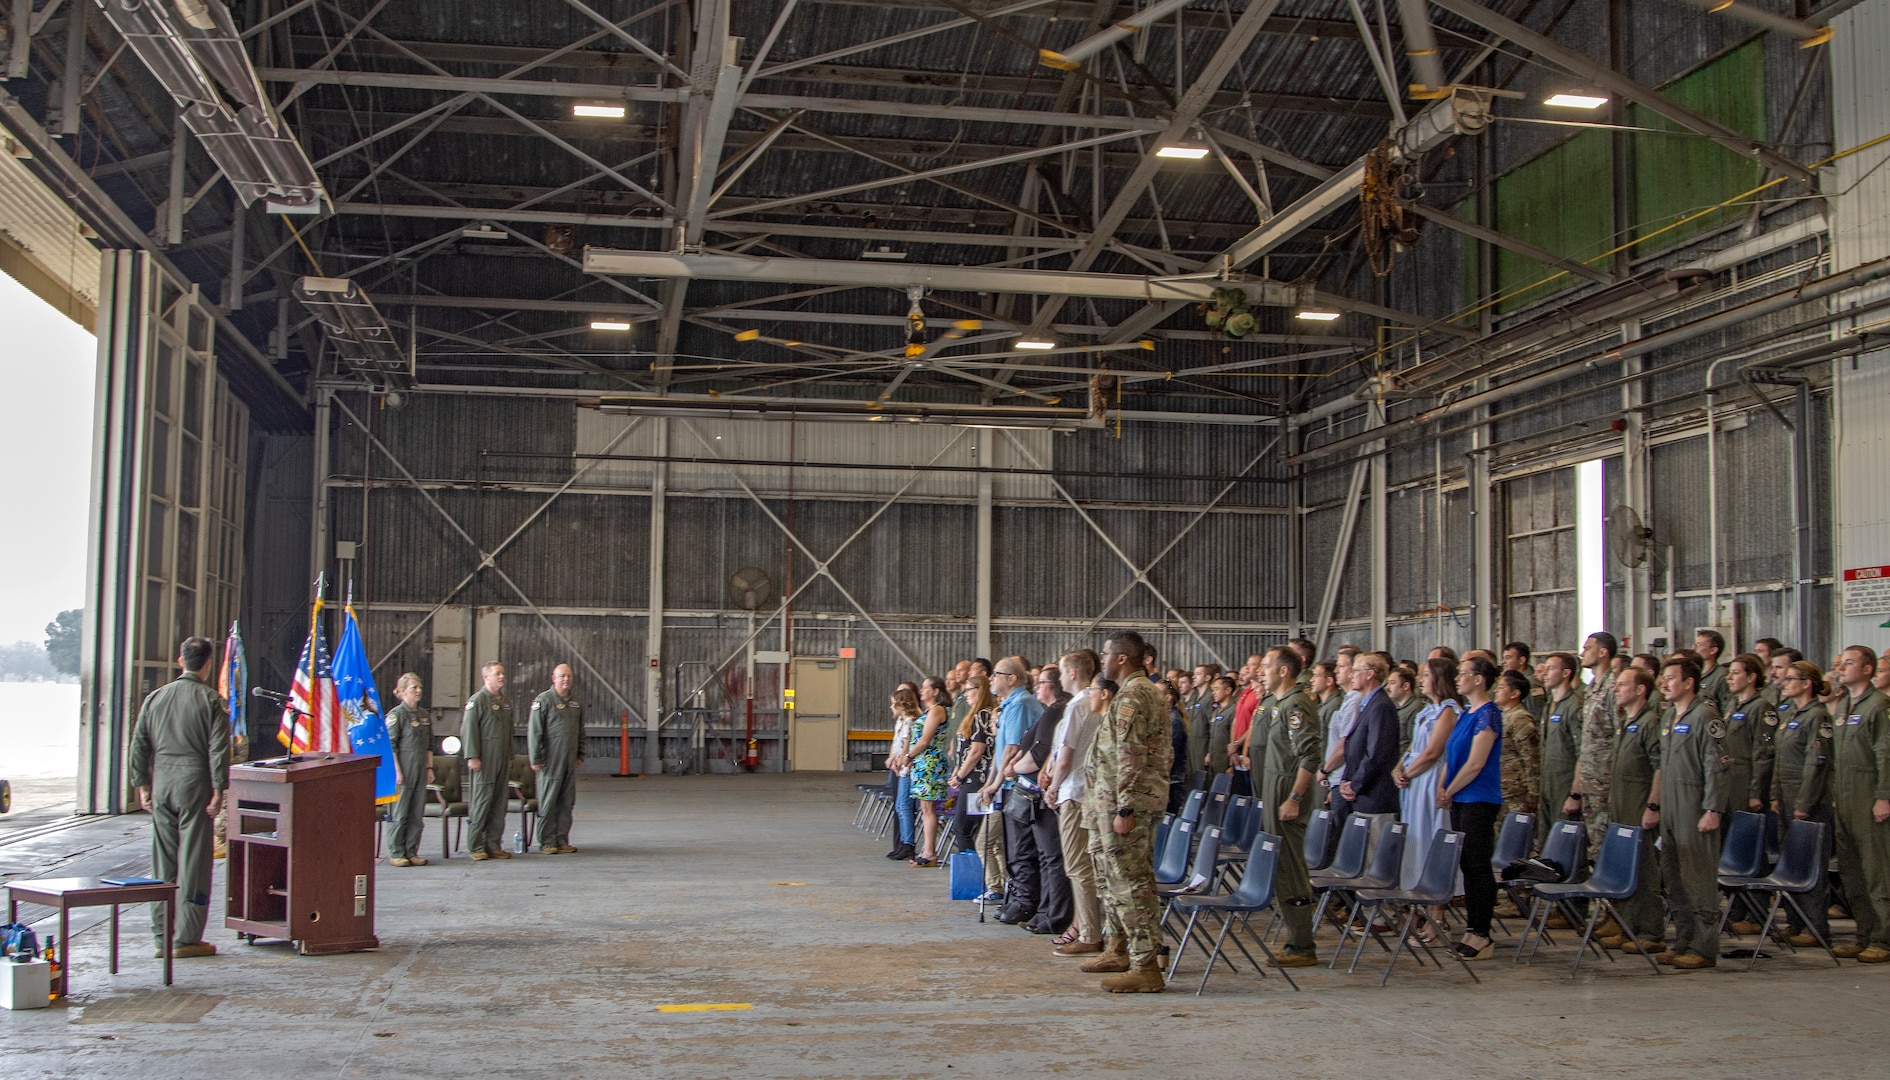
1867 591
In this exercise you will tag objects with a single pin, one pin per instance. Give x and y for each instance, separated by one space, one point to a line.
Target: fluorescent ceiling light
600 112
1035 343
1183 151
608 324
1576 101
882 252
483 232
1317 315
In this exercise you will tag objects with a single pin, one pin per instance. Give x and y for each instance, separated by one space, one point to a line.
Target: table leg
170 920
65 953
114 939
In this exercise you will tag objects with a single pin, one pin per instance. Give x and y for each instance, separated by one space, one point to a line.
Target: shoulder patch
1826 730
1295 722
535 705
1716 728
1771 719
470 703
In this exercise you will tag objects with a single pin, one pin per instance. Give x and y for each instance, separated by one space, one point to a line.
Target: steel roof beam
1575 63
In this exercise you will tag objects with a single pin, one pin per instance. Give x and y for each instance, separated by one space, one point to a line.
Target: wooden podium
301 852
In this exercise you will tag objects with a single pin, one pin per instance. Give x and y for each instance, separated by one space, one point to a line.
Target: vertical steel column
73 79
653 639
1482 544
1381 541
108 647
1804 553
981 456
318 520
1640 579
1296 537
173 221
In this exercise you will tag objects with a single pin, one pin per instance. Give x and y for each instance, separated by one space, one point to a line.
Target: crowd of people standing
1058 775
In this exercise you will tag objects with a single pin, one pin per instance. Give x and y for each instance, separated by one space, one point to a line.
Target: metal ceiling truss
717 179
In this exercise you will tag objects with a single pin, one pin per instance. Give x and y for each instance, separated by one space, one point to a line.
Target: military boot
1142 978
1115 957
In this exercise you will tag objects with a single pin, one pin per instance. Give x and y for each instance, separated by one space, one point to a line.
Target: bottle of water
518 841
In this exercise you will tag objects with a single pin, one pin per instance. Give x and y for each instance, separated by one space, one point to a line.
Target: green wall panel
1677 175
1562 200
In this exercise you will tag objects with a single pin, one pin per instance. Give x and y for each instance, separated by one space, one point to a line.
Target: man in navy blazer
1371 750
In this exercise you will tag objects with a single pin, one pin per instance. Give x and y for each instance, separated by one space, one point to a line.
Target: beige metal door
818 732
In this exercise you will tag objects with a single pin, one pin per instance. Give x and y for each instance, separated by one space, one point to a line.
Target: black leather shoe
903 851
1015 915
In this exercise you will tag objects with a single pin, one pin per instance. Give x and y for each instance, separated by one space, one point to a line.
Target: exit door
817 733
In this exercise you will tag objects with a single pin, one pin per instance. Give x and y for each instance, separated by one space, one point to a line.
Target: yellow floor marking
724 1007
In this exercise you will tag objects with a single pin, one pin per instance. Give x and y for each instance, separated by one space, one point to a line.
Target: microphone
269 695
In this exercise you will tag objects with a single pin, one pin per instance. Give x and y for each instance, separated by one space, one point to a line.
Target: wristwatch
1124 812
1297 796
1654 806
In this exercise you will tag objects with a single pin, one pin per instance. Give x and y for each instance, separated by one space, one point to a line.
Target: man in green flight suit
410 737
1561 740
556 740
486 740
180 764
1692 802
1128 787
1286 729
1633 780
1860 788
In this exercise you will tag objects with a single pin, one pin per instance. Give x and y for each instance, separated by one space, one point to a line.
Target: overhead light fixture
598 112
608 324
1035 343
1182 152
361 339
197 55
1317 315
484 232
882 252
1576 101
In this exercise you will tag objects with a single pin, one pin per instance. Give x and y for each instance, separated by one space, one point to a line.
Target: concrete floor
754 890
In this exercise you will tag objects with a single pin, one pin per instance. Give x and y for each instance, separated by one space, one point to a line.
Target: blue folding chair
1319 840
1173 865
1347 863
1435 886
1564 848
1218 794
1200 879
1616 876
1800 869
1254 894
1741 856
1383 872
1161 834
1191 809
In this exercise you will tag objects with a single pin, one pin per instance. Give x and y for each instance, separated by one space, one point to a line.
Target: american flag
314 694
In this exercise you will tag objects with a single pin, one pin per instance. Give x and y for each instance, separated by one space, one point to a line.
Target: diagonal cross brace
781 611
486 560
1141 578
821 568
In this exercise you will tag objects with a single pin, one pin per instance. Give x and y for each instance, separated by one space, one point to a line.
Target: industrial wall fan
1629 540
750 588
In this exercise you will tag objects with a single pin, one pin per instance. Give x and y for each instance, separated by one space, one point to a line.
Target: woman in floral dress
926 714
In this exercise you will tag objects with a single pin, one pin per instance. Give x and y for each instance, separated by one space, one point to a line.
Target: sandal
922 863
1065 938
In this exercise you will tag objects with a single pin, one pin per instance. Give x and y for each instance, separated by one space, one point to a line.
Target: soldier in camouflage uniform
1522 745
1594 767
1128 786
1636 763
